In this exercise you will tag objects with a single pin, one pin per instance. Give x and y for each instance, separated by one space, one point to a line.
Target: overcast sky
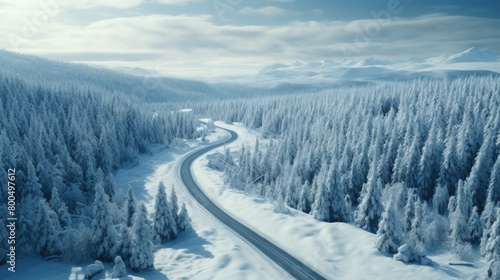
203 38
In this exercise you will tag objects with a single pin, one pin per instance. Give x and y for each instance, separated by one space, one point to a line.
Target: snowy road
286 261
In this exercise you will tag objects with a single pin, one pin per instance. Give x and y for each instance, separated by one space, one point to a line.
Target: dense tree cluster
416 159
65 145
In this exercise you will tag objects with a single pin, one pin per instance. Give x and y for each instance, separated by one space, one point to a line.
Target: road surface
294 267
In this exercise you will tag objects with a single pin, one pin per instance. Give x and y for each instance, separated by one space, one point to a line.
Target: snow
211 251
472 61
335 249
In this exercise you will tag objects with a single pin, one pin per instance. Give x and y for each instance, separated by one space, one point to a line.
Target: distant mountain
474 55
473 61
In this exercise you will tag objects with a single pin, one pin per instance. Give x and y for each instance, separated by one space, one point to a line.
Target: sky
210 38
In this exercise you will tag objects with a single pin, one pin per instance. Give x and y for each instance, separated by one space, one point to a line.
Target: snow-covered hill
473 61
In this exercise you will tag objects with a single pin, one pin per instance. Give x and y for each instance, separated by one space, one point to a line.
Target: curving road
286 261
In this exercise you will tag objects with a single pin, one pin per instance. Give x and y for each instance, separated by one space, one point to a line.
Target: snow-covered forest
65 145
417 162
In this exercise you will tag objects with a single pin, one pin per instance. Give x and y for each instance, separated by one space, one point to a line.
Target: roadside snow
211 251
338 250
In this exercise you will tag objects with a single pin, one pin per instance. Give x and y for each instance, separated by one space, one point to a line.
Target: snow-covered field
341 251
211 251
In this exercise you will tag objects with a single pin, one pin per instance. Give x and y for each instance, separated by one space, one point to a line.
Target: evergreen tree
142 257
449 173
164 225
409 211
59 207
47 227
475 227
174 206
184 220
304 202
124 246
417 233
493 197
440 199
339 211
479 177
321 205
104 235
370 209
492 250
130 207
389 235
459 218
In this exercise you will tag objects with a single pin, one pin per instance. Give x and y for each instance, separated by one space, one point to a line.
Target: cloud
40 5
269 11
194 45
177 2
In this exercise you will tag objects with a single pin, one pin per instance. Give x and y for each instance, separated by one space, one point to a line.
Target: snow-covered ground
341 251
211 251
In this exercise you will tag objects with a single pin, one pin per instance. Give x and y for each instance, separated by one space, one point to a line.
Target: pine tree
184 220
339 211
479 177
124 246
492 250
174 206
47 227
130 207
304 203
60 208
475 225
449 173
104 235
409 212
370 209
321 205
459 218
164 225
493 197
142 257
440 199
417 233
389 235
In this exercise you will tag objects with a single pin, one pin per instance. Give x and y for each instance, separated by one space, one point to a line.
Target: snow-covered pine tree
370 209
449 172
479 177
493 197
389 235
339 211
124 246
440 199
417 232
174 206
60 208
184 220
409 212
130 207
494 269
321 206
142 257
492 250
104 236
164 225
460 217
47 228
475 227
304 203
